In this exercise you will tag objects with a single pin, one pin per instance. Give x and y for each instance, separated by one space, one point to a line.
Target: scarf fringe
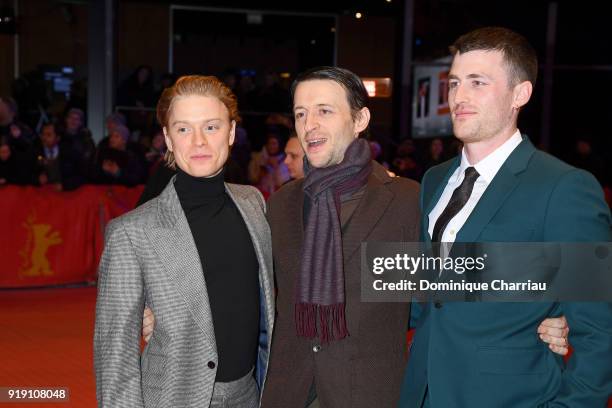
332 321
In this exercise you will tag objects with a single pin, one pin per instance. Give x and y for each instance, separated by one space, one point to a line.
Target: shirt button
438 304
452 232
316 348
211 365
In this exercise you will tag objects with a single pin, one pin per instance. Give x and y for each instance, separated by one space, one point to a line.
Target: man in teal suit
500 189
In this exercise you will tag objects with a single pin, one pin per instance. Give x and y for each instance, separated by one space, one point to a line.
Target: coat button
438 304
316 348
211 365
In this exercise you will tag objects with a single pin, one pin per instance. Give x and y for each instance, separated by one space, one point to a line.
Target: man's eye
325 111
182 130
478 83
211 128
299 115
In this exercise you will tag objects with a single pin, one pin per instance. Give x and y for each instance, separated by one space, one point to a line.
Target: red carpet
46 340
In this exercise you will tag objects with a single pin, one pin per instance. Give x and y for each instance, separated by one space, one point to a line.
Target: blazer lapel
256 226
372 206
502 185
173 242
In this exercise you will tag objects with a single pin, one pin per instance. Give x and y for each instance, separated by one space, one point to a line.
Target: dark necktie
460 196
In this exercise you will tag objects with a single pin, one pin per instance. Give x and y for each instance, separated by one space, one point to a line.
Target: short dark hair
52 123
521 58
76 111
356 93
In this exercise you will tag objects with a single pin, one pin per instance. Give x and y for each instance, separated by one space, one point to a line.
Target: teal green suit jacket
472 355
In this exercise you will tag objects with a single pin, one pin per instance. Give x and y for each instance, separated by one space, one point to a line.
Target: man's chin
319 161
466 136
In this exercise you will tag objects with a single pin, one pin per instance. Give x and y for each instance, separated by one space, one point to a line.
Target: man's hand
148 322
554 331
111 167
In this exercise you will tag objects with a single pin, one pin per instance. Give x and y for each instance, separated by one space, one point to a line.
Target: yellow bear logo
40 238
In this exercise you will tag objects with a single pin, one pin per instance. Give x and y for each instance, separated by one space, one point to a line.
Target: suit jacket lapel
372 206
502 185
256 226
173 241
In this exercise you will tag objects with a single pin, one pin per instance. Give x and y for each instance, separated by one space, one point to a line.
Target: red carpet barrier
51 238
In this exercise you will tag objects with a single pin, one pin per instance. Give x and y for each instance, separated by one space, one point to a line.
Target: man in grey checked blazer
153 257
150 258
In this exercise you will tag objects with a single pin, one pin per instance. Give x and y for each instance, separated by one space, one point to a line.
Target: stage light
358 15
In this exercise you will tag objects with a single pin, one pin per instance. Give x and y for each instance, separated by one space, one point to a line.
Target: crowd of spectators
62 154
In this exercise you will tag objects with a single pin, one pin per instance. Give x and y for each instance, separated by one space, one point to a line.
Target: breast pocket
514 232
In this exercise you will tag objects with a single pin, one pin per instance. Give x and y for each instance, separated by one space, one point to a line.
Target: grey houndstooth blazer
150 258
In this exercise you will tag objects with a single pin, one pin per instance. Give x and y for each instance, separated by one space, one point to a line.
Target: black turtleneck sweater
230 269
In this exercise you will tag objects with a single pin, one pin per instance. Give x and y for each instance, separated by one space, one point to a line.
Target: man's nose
310 121
460 94
200 138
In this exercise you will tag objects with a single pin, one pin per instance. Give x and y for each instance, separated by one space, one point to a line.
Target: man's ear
362 120
521 94
168 140
232 135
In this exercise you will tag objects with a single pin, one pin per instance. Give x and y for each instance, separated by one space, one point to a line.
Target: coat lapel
373 205
502 185
173 242
257 228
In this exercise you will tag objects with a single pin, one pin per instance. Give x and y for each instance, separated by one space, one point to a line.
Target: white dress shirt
487 168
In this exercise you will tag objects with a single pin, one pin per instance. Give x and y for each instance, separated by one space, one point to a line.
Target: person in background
137 90
435 155
19 137
294 157
116 164
241 153
77 138
267 171
58 163
78 135
10 125
7 164
406 163
376 152
156 151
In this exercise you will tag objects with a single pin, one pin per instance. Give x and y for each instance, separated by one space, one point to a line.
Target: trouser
242 393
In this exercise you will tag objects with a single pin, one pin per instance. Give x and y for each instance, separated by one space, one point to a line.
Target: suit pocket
512 361
521 377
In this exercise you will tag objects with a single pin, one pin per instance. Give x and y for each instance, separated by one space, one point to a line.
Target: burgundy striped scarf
319 290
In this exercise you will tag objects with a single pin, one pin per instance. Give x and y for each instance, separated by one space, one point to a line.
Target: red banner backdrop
51 238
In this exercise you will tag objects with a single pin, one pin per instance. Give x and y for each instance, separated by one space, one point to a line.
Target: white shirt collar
490 165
